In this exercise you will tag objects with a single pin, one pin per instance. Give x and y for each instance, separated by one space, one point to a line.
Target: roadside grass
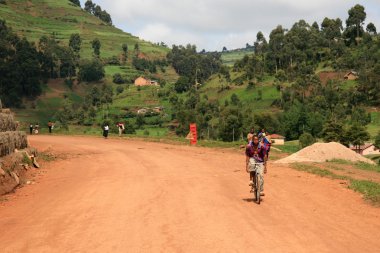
46 156
359 165
369 189
317 171
290 147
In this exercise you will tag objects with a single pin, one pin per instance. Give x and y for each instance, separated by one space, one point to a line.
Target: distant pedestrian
31 128
50 126
121 128
106 130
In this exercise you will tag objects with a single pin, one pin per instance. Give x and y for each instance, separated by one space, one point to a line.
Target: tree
76 2
125 51
225 49
140 121
377 140
332 29
235 99
371 29
89 6
332 131
230 128
75 43
137 49
91 71
96 46
182 85
357 135
306 140
356 17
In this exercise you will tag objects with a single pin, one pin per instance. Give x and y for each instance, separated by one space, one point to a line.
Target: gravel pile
322 152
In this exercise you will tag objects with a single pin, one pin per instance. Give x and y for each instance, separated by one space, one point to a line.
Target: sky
213 24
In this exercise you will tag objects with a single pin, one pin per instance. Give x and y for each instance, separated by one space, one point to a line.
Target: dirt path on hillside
131 196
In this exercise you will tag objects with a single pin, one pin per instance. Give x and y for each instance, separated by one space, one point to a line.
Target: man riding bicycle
256 157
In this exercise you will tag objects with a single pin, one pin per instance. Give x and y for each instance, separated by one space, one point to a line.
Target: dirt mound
322 152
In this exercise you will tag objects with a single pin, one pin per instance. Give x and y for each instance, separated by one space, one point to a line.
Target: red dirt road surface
131 196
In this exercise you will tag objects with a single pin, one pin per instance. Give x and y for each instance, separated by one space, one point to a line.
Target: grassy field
230 57
374 127
250 97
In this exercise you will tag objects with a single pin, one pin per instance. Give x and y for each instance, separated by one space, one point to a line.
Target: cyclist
256 155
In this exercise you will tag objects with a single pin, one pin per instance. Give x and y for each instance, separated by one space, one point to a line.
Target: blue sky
212 24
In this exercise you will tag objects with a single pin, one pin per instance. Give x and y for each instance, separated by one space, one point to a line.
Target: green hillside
35 18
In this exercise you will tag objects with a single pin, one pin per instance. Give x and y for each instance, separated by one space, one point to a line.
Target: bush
118 79
129 128
113 61
146 133
69 83
119 90
91 71
306 140
251 86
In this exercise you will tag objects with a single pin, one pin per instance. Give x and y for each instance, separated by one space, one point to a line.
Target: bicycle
257 168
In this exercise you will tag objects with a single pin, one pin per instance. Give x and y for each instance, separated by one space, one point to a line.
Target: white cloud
211 24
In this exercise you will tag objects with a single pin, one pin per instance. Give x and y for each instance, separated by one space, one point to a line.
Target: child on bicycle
256 156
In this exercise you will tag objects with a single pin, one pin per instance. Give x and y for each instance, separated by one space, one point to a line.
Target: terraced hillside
35 18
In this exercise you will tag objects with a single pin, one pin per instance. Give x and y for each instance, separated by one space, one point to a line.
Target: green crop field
229 58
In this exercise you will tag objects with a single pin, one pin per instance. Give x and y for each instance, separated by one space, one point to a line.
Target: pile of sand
322 152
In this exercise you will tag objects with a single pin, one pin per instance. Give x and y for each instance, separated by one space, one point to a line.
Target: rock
2 172
16 178
28 182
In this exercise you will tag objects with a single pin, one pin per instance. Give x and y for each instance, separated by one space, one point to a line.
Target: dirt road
131 196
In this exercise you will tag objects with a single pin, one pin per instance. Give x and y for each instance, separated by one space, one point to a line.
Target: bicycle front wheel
258 188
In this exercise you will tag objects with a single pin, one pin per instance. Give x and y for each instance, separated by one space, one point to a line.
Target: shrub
119 90
91 71
306 140
69 83
118 79
146 133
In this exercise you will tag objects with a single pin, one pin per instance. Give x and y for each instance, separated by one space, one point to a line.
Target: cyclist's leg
260 171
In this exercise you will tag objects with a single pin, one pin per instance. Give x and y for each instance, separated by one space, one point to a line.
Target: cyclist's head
255 140
252 131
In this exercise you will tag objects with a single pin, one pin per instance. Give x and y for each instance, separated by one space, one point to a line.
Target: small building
352 75
141 81
366 149
158 109
277 139
142 111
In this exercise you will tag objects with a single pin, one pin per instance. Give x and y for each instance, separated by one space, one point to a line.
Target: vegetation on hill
229 103
274 84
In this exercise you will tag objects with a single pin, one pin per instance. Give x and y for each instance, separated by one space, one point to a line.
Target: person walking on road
50 126
106 130
31 128
121 128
